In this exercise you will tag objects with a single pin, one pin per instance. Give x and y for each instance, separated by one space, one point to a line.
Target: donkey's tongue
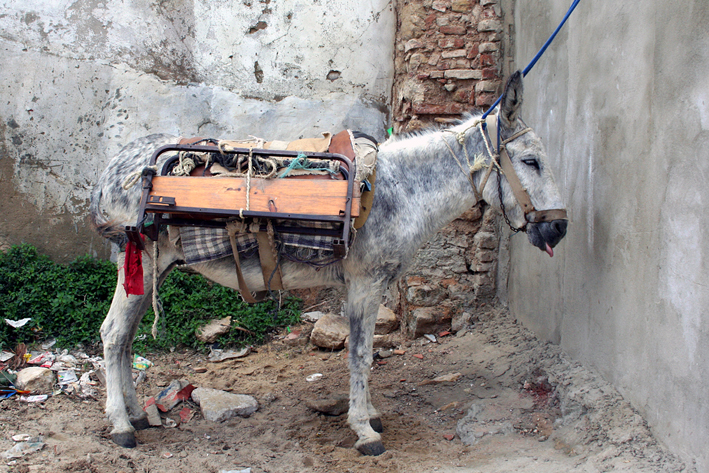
549 251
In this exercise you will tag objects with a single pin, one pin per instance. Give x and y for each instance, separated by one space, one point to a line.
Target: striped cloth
203 244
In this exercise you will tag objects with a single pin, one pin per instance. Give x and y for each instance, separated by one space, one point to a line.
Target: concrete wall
82 78
622 100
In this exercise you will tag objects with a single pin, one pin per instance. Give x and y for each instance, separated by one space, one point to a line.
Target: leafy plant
69 303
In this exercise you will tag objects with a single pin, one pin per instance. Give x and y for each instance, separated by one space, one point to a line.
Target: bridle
500 160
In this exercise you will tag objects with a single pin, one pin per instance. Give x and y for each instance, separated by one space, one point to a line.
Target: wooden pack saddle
259 187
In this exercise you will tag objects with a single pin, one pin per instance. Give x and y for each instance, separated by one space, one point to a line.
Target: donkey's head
525 192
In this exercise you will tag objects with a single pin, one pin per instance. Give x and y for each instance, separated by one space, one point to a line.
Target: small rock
313 377
399 352
218 406
210 332
385 353
35 379
334 406
449 437
446 378
430 337
217 355
311 317
418 355
386 321
330 332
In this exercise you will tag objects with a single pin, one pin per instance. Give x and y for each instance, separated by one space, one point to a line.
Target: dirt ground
517 404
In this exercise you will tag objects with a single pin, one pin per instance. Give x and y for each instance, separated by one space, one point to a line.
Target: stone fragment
463 74
386 321
487 86
439 5
488 47
461 6
485 240
35 379
311 317
153 415
446 378
460 321
489 25
210 332
330 332
218 406
412 44
333 406
427 320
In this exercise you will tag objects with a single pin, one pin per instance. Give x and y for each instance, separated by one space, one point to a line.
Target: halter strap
501 160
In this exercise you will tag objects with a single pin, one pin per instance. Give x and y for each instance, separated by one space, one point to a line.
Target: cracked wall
82 78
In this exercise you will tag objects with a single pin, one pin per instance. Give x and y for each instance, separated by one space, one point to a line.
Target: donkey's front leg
363 298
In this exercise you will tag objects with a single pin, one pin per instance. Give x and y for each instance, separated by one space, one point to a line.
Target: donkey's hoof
124 439
140 423
373 449
376 424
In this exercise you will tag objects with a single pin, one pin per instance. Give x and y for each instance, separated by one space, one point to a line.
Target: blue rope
536 58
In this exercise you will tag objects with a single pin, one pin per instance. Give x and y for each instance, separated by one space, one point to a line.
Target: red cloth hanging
133 270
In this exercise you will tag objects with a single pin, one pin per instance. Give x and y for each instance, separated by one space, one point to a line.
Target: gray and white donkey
421 186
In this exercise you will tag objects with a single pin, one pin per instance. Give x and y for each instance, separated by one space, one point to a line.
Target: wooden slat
295 196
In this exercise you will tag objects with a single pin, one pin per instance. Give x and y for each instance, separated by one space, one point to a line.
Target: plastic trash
313 377
66 377
35 444
17 323
245 470
37 398
140 363
6 355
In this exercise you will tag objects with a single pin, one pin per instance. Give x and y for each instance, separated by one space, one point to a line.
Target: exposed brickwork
448 60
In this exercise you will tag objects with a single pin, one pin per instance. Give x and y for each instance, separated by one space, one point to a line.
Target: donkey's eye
532 162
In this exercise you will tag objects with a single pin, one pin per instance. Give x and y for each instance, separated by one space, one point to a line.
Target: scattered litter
21 449
430 337
217 355
169 423
166 455
21 437
139 379
313 377
17 323
186 415
45 360
87 385
66 377
37 398
140 363
177 390
246 470
6 355
49 344
69 361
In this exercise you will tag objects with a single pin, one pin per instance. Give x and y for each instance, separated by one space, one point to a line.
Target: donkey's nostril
559 226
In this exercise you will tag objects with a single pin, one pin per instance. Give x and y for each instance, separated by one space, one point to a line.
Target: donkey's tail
109 229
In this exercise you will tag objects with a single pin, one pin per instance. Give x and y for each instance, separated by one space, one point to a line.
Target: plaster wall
82 78
621 99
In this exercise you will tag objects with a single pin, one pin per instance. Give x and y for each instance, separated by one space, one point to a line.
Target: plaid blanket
203 244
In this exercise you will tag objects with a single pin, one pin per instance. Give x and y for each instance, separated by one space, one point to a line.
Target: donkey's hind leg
363 298
117 332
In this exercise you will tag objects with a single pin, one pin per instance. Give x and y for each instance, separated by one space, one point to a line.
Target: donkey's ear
512 100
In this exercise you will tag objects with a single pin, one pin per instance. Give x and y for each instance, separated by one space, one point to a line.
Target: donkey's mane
433 128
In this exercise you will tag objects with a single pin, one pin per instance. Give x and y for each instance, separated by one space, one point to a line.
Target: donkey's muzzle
547 233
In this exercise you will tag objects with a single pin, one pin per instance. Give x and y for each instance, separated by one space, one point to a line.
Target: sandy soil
518 403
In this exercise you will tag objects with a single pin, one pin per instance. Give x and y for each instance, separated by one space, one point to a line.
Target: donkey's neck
422 185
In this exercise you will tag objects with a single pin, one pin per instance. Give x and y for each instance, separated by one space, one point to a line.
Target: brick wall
448 61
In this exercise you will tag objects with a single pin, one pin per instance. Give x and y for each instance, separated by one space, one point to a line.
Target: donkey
422 185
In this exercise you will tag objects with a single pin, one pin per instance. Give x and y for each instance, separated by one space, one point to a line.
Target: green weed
69 303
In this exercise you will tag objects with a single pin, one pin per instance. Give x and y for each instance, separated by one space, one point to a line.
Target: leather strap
512 179
233 228
272 277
